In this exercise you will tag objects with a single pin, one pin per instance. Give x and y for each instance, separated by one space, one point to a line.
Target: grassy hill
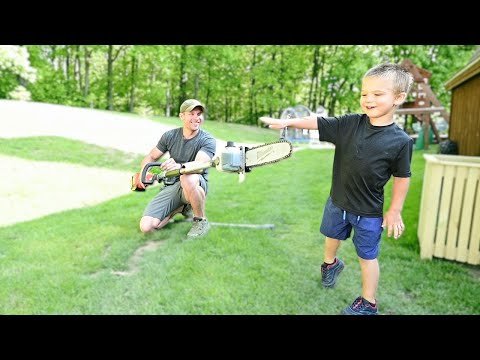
95 260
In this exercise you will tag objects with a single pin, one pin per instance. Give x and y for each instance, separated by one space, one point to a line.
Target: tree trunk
207 96
252 87
312 95
67 63
111 59
281 80
183 75
86 87
110 78
53 55
78 68
197 86
270 87
168 103
226 109
321 99
131 104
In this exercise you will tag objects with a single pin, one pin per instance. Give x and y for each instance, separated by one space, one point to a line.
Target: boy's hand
394 223
273 123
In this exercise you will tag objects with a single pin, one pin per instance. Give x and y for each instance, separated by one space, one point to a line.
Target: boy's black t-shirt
366 156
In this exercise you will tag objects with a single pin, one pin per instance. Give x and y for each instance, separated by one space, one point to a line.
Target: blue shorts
338 224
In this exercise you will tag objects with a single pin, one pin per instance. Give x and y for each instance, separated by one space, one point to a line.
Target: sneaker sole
348 311
198 236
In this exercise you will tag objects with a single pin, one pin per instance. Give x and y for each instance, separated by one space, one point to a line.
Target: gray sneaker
187 212
330 273
199 228
360 307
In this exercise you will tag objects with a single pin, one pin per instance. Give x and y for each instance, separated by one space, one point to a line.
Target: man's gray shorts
169 199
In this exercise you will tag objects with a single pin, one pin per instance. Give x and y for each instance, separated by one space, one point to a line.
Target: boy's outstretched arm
393 217
307 122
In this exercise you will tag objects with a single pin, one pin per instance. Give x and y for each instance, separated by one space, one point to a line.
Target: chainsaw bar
267 153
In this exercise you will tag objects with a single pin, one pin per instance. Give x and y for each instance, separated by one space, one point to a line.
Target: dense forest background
238 83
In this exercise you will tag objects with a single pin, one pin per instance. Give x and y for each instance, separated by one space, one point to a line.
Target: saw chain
265 154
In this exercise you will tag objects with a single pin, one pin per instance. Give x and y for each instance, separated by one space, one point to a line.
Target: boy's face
377 97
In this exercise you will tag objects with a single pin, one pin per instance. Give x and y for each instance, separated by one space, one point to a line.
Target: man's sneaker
199 228
360 307
330 272
187 212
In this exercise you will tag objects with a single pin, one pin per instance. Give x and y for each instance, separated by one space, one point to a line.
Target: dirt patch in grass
137 256
31 189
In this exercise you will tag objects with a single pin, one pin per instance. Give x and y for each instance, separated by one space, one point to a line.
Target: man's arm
152 156
307 122
171 164
202 156
393 218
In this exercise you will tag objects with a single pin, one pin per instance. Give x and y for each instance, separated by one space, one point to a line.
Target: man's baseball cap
190 104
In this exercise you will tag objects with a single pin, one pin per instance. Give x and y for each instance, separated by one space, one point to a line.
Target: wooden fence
449 220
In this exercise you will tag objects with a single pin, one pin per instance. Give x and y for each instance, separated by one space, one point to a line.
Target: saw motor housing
233 159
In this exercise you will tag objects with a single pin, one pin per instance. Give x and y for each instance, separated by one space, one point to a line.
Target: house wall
465 117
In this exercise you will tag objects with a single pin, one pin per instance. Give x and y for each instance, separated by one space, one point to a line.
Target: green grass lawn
59 149
65 263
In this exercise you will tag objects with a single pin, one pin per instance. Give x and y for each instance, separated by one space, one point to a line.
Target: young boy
369 148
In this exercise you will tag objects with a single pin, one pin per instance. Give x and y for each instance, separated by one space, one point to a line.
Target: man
186 192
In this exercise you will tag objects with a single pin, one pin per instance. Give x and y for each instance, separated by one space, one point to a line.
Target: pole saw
233 159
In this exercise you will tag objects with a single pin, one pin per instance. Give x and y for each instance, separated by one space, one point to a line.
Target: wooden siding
465 117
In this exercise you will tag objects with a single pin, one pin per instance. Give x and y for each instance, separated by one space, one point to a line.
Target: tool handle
192 167
143 178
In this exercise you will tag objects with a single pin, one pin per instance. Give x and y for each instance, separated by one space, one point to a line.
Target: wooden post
426 128
435 131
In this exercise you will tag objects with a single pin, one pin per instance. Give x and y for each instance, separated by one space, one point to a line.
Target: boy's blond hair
402 78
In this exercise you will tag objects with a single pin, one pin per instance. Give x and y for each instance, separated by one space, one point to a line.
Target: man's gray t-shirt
184 150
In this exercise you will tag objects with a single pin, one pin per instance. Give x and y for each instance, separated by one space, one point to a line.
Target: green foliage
51 89
238 83
15 59
8 82
15 70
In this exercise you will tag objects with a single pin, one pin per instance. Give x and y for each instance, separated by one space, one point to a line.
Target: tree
15 72
111 57
237 83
